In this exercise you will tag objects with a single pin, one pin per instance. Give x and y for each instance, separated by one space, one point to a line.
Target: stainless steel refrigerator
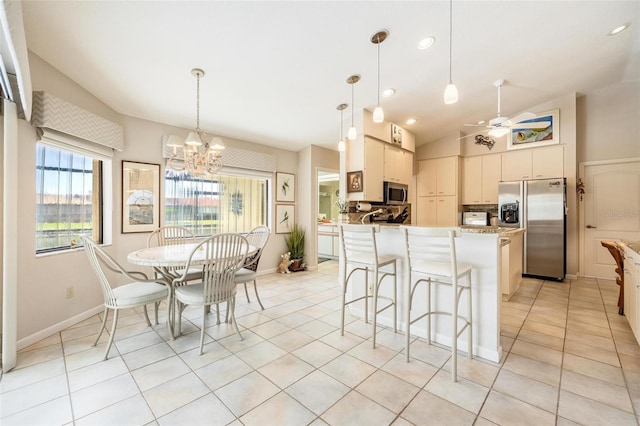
539 206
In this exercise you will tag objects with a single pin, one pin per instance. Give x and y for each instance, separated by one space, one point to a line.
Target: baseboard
56 328
571 277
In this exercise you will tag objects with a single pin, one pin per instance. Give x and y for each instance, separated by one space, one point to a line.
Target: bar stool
431 259
360 253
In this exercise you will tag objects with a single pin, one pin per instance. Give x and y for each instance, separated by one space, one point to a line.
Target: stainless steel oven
395 194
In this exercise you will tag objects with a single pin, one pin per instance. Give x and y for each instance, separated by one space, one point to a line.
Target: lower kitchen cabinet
437 211
632 291
328 244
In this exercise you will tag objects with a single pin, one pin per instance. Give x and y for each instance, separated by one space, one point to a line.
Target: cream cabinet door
427 211
407 167
548 162
373 164
516 165
491 175
447 211
393 157
427 172
472 180
447 176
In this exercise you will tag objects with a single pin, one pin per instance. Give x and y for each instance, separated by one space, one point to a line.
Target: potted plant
343 209
295 245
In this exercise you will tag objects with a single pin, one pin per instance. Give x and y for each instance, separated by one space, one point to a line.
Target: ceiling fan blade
474 125
532 125
522 117
471 134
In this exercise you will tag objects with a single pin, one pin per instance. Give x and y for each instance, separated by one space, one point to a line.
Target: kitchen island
483 252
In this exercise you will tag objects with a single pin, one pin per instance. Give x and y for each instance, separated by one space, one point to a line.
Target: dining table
169 261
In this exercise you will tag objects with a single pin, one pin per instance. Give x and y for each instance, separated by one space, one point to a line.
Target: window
69 198
231 202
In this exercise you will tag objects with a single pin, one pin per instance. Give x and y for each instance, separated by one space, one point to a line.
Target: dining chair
225 255
140 292
360 253
257 238
174 235
431 260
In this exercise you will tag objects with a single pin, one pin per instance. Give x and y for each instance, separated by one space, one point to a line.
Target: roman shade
52 113
231 157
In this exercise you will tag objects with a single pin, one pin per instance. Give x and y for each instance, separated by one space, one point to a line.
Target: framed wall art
539 131
285 216
285 187
140 197
354 181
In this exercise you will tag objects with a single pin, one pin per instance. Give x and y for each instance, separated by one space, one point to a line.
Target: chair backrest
101 262
432 245
225 254
358 243
257 238
170 235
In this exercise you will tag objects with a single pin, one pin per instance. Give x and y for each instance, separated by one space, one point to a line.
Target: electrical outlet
70 292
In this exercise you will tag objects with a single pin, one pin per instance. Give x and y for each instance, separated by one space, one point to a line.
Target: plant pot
343 218
297 265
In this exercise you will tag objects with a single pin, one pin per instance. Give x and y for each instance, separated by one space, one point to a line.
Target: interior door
611 211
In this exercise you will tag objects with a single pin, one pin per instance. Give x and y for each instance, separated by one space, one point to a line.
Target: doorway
327 214
609 211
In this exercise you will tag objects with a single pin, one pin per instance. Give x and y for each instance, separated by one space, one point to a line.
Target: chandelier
199 156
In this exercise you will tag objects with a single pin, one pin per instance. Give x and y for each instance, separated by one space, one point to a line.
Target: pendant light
451 91
377 38
341 144
353 133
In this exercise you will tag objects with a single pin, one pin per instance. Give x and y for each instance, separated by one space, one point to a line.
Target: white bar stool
360 253
431 259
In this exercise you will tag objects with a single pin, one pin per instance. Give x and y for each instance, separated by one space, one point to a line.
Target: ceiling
275 71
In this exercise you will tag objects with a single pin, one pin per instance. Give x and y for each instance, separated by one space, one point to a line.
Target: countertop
503 231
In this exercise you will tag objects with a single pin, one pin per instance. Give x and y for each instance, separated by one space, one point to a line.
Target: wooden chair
618 255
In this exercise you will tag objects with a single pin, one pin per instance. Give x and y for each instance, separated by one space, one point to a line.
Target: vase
343 218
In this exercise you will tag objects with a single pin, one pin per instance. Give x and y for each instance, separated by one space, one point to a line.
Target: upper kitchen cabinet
438 177
380 131
366 154
398 164
538 163
481 176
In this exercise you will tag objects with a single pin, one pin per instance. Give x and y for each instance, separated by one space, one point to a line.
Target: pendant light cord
198 104
341 118
450 36
352 104
378 70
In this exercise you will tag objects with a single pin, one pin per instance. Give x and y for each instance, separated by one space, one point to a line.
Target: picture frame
140 196
520 138
354 181
285 187
285 218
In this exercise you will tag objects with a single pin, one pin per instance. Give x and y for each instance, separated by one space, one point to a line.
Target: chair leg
217 313
375 305
113 333
470 321
146 315
156 310
429 310
204 320
342 305
105 314
255 289
232 308
454 333
407 343
395 299
246 292
366 293
179 320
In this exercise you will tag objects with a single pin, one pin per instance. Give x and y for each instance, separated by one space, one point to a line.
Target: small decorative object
140 197
342 205
285 218
285 187
485 140
354 181
295 245
580 188
285 262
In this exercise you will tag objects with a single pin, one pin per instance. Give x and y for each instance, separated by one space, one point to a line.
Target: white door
611 211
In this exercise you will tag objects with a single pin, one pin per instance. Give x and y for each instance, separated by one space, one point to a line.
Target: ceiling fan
500 126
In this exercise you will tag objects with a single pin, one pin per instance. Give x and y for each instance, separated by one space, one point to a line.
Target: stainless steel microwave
395 194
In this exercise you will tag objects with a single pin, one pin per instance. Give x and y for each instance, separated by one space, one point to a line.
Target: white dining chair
141 291
432 261
174 235
257 238
225 255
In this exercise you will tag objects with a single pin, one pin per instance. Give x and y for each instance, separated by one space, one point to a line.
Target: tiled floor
569 358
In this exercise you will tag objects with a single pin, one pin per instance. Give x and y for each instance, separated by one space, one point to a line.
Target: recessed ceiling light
411 121
388 92
426 43
619 29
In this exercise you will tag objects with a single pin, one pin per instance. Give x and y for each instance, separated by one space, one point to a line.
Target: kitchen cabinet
328 245
481 176
438 177
511 262
366 154
632 291
538 163
398 164
437 211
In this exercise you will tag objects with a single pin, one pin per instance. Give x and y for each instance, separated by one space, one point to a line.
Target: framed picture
354 181
285 187
140 197
285 215
539 131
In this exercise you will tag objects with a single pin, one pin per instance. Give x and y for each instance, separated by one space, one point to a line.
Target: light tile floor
569 358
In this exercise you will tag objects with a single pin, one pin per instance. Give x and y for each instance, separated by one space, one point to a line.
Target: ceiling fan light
498 132
450 94
352 134
378 115
193 139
